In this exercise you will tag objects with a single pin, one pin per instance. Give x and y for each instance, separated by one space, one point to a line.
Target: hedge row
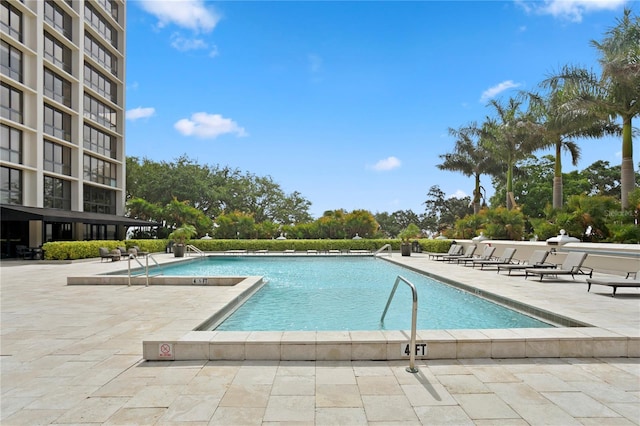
72 250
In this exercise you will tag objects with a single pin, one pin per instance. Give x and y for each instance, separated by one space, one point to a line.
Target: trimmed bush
73 250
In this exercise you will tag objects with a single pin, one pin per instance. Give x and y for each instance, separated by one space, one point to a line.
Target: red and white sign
165 350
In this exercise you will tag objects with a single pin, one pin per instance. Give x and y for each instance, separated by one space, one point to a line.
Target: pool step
575 342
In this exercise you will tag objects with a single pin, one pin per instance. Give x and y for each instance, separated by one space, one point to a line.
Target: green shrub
544 229
151 246
624 233
73 250
503 224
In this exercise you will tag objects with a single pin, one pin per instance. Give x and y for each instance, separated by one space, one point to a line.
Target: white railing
414 317
381 249
145 266
192 248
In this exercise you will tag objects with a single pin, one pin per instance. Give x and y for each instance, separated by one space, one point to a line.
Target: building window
58 231
94 232
57 123
100 54
111 7
57 193
97 200
57 158
10 144
57 88
99 142
10 186
96 20
99 171
11 20
57 53
57 18
99 112
98 82
11 61
11 103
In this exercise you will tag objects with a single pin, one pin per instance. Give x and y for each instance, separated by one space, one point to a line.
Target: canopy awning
23 213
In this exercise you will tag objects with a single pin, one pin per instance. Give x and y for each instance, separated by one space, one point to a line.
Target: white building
62 148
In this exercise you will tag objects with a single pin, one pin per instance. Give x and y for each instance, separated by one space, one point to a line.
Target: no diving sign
165 351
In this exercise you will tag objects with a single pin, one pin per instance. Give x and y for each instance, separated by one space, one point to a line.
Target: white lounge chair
537 260
616 282
468 253
572 265
506 258
487 253
454 249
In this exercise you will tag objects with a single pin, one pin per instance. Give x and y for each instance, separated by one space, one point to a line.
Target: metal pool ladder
146 267
387 247
414 316
194 249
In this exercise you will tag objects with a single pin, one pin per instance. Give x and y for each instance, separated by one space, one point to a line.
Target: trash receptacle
415 247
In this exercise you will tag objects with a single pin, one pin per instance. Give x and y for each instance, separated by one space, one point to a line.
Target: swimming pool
320 293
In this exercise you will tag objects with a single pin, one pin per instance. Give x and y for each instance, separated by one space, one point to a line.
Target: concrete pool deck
73 354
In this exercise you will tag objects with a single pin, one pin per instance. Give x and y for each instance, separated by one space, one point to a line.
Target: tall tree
471 158
361 223
616 91
442 212
560 130
511 136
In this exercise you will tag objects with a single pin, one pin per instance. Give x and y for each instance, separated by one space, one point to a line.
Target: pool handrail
146 266
386 246
414 316
191 247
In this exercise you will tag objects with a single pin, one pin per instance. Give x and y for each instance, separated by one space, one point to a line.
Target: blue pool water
319 293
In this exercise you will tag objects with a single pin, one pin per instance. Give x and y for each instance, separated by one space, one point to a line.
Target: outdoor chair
572 265
468 253
506 258
616 282
537 260
454 249
105 254
487 254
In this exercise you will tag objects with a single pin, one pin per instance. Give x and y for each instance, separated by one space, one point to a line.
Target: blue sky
347 103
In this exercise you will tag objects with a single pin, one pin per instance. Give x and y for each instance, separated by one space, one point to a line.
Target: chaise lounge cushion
572 265
615 282
537 260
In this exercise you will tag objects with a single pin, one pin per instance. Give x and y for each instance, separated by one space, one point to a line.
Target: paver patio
73 355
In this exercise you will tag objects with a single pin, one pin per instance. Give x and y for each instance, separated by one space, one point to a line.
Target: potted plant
180 235
411 231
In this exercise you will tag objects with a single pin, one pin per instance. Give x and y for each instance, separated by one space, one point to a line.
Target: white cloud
458 194
492 92
387 164
208 126
191 14
183 44
571 10
137 113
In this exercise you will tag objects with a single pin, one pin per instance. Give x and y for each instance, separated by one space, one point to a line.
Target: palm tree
559 129
510 137
615 93
470 158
